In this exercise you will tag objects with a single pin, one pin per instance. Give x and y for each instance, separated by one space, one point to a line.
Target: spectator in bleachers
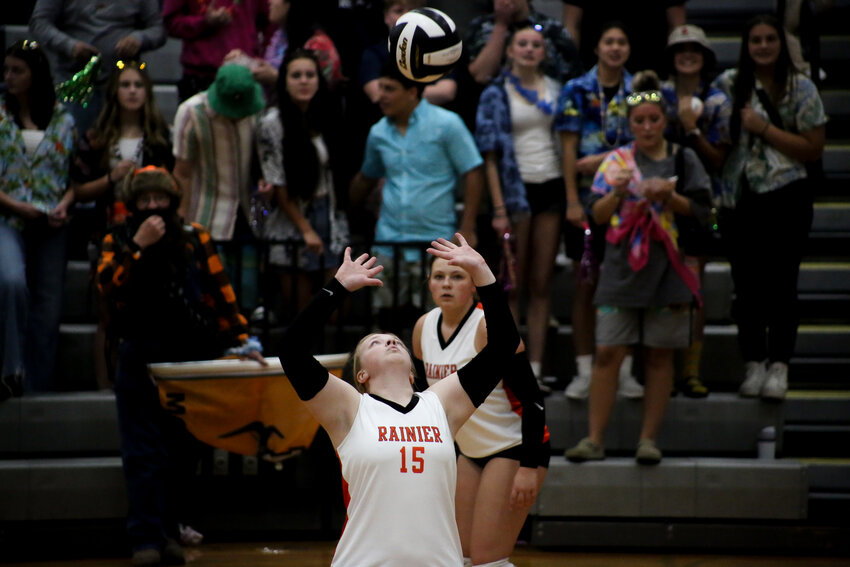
299 145
171 301
592 121
777 127
698 117
364 109
514 132
290 19
76 30
37 140
265 68
214 137
645 291
213 144
130 132
423 151
487 36
649 23
209 32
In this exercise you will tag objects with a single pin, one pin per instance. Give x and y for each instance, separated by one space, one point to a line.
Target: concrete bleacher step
818 280
163 64
72 423
722 367
721 424
697 488
167 100
829 489
817 424
78 297
62 489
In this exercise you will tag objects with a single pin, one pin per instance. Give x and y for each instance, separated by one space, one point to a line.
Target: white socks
584 364
504 562
626 367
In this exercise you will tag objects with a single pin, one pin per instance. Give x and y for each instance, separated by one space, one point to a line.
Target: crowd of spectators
297 136
290 108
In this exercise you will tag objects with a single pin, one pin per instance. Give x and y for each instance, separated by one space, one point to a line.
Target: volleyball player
396 446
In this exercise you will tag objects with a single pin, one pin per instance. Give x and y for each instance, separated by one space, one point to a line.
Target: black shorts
547 197
514 454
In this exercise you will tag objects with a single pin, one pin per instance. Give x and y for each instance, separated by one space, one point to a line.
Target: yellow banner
239 405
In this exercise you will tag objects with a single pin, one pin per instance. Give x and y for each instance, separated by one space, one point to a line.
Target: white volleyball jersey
497 423
400 468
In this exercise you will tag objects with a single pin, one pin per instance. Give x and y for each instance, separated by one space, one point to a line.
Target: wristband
764 130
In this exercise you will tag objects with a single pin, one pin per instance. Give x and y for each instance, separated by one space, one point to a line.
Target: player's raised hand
464 256
360 272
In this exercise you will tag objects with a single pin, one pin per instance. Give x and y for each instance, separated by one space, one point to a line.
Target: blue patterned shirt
494 133
579 110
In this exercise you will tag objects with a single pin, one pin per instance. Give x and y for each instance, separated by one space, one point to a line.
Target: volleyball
425 44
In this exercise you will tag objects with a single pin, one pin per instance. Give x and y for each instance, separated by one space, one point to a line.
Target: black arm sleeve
420 382
482 373
520 380
305 373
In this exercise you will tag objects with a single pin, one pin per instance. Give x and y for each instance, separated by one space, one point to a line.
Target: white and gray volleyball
425 44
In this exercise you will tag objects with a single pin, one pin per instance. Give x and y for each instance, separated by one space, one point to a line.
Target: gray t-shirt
657 284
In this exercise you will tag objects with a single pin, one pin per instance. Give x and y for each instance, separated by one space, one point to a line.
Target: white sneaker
578 388
776 384
630 388
755 375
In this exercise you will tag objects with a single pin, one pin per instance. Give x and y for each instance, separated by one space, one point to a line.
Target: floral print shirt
765 167
580 110
42 179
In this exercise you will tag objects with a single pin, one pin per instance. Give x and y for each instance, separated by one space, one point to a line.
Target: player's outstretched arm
465 390
332 401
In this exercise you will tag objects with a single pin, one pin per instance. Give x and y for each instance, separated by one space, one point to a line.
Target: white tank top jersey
497 424
401 469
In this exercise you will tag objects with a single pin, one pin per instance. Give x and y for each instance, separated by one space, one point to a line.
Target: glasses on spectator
130 64
635 99
29 45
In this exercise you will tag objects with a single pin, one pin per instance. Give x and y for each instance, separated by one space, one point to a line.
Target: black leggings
765 237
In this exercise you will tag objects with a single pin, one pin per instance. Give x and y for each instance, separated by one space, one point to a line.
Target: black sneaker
693 388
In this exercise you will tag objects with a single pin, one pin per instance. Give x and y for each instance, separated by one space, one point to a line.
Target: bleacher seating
59 457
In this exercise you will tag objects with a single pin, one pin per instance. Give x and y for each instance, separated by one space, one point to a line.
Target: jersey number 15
416 459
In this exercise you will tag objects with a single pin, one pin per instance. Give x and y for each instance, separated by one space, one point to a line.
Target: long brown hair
107 129
745 80
41 94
